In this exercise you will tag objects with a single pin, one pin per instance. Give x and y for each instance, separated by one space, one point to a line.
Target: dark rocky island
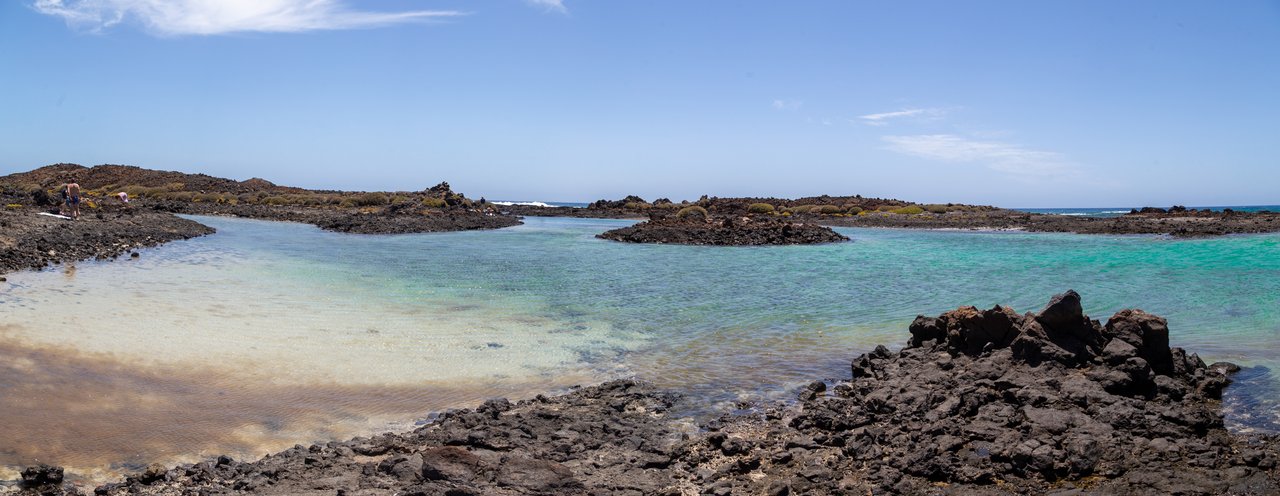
723 231
978 402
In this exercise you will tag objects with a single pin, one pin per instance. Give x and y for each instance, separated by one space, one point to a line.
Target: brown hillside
115 176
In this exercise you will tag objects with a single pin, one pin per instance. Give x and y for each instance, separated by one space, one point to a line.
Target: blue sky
1020 104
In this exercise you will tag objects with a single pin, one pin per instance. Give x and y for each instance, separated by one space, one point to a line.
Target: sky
1009 103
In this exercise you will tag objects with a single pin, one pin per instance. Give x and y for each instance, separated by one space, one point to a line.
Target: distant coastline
1105 212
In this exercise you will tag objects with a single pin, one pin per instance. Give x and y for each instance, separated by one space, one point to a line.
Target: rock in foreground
735 231
979 402
997 402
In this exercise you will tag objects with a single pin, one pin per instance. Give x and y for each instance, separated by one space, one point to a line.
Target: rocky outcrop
735 231
629 202
1038 399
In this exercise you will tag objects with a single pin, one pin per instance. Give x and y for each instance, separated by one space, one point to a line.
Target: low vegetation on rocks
434 209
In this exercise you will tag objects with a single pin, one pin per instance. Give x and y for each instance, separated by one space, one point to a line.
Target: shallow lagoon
269 334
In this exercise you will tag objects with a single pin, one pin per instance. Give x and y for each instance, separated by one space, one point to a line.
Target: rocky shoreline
1184 225
109 227
856 211
31 241
978 402
386 221
724 231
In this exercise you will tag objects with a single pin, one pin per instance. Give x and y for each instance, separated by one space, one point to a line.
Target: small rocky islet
977 402
723 231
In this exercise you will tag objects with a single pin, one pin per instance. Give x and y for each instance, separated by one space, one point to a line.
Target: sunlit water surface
268 334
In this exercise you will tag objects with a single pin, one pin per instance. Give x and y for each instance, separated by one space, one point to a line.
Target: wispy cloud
883 118
787 104
550 5
1003 157
210 17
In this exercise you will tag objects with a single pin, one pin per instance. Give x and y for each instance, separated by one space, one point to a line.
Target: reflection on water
269 334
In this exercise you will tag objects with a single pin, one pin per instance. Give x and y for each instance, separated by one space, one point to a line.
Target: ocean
1118 211
268 334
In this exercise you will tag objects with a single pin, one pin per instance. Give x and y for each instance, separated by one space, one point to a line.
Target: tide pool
285 321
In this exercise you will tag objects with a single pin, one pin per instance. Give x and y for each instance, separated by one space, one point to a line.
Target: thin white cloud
883 118
787 104
210 17
550 5
1003 157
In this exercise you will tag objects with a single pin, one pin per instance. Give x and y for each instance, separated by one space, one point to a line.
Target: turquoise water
545 305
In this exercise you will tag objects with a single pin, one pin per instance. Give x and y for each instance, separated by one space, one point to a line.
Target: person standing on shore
73 198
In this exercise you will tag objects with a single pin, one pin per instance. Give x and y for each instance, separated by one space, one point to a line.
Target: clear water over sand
269 334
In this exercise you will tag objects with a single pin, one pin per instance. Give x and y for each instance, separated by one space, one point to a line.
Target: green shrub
433 202
371 199
692 210
637 206
800 209
885 208
144 192
205 197
854 210
935 208
829 209
909 210
760 208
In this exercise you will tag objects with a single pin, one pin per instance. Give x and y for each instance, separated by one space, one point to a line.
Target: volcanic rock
739 231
